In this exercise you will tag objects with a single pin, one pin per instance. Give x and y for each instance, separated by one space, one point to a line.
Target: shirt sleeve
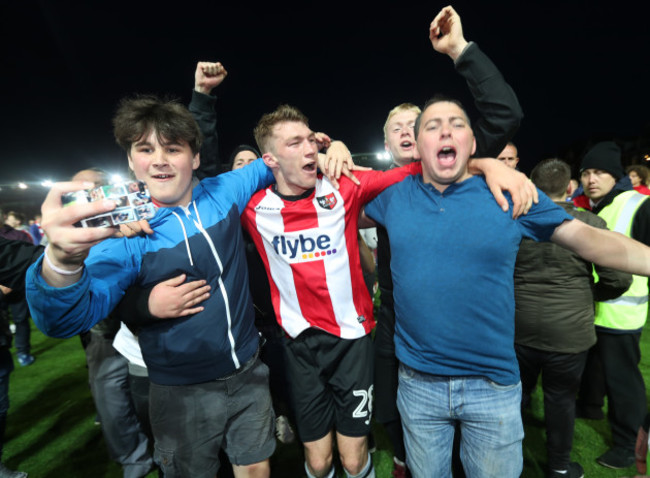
376 209
542 219
496 102
239 186
641 223
111 267
374 182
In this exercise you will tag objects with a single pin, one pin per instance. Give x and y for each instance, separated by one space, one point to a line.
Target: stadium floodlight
116 178
22 186
48 183
384 155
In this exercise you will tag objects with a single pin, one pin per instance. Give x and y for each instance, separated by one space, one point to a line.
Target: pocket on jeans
405 372
502 388
165 460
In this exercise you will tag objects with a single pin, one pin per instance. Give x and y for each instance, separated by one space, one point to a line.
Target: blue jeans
489 416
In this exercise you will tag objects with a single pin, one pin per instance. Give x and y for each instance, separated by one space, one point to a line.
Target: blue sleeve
67 311
542 219
376 209
242 183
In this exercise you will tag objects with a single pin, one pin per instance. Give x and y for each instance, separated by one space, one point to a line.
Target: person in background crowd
242 156
36 231
639 177
554 319
509 155
613 363
15 257
17 221
15 302
108 375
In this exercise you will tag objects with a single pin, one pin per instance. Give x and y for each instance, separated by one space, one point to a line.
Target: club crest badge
327 202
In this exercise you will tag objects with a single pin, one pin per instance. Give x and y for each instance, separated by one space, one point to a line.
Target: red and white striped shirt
310 250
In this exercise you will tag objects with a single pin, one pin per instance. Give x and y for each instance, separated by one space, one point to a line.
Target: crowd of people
239 314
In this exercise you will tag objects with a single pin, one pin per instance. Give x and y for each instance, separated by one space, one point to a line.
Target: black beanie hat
605 156
243 147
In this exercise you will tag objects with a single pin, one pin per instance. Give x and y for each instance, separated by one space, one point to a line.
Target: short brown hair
552 177
263 132
136 117
438 98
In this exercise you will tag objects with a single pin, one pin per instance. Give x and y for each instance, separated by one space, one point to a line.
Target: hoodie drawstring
187 242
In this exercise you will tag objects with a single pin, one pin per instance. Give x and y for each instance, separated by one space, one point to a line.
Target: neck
286 189
560 198
402 161
440 186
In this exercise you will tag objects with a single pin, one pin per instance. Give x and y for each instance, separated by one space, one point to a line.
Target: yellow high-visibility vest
629 311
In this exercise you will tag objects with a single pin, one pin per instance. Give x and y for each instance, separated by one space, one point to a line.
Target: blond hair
404 107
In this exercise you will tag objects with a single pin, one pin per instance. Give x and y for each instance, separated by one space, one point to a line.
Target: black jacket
555 293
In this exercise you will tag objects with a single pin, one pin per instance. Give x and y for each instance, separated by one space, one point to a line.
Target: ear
473 147
386 147
196 161
570 189
270 160
128 156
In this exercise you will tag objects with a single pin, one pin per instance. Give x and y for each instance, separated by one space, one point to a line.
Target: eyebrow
440 119
141 143
172 143
166 143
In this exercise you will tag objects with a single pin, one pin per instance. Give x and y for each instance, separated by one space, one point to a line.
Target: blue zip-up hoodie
202 240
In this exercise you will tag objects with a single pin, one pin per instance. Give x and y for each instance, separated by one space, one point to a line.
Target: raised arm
207 76
495 100
69 245
69 291
603 247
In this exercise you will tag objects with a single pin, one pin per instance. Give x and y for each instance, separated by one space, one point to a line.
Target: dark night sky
580 69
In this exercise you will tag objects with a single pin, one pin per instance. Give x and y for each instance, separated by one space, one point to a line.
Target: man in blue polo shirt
453 254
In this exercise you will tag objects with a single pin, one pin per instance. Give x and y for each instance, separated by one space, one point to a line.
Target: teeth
446 149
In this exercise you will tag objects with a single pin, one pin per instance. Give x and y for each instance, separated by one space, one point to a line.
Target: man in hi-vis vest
619 321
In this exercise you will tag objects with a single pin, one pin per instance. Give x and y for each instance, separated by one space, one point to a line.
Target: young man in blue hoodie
209 389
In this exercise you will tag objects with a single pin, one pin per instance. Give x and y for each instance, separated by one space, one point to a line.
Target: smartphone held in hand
132 198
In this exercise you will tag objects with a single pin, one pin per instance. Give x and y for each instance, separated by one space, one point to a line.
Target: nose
311 148
160 159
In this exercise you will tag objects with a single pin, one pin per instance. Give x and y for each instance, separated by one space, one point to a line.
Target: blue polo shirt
452 260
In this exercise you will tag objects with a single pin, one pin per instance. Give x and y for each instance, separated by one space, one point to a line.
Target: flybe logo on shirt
303 247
